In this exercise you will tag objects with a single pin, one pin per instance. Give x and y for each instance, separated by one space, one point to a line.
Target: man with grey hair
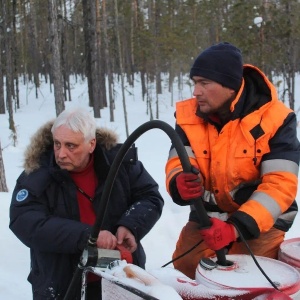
56 198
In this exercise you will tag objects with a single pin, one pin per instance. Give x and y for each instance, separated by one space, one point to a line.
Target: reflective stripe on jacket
250 166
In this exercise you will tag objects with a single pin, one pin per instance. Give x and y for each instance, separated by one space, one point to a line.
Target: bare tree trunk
171 68
33 46
156 57
86 31
132 37
121 66
55 57
24 42
9 68
65 55
101 62
149 99
92 59
108 63
2 103
290 48
3 186
15 55
139 47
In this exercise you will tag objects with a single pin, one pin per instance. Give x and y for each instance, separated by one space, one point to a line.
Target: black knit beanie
221 63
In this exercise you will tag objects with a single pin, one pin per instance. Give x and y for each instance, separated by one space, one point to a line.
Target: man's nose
62 152
197 90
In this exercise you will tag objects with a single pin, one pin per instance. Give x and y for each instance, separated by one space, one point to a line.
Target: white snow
153 147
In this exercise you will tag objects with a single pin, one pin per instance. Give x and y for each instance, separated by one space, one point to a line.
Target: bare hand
126 239
106 240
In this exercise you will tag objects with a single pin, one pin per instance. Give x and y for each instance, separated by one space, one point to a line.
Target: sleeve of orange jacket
174 167
273 202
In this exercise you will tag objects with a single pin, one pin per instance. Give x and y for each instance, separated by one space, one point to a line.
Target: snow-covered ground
153 147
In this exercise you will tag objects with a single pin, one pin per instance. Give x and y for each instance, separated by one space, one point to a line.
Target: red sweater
86 180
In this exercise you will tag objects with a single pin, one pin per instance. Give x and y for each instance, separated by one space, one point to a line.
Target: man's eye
71 146
56 145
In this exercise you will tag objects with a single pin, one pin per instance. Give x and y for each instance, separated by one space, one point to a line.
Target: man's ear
92 145
231 93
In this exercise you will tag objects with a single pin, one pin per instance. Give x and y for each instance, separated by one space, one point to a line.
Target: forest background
106 42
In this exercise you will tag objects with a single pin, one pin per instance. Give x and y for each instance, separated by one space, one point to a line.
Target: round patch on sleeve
22 195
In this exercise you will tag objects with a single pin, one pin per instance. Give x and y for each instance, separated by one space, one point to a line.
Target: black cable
247 246
255 260
181 255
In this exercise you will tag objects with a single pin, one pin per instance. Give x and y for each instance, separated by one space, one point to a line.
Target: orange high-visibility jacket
249 166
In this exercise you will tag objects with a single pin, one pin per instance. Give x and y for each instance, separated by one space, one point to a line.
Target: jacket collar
40 148
256 90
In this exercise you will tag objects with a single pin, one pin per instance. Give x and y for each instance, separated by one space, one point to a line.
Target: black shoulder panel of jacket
131 155
285 144
256 93
35 182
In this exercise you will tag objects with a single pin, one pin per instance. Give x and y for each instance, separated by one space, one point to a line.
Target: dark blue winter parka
44 213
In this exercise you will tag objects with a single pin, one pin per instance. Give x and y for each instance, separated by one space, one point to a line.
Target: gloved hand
219 235
189 185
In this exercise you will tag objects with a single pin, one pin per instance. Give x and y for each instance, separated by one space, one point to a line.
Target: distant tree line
107 40
98 39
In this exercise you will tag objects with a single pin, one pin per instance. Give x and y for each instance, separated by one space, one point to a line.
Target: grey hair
78 120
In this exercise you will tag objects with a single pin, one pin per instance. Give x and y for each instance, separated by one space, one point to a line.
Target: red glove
219 235
189 186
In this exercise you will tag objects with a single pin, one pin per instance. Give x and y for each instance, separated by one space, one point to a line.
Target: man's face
212 97
72 152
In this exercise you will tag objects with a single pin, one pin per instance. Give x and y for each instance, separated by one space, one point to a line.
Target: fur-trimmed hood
42 141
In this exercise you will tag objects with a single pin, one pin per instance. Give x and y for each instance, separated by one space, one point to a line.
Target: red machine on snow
242 280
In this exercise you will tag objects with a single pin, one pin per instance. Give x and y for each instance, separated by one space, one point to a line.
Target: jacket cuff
82 243
175 194
245 225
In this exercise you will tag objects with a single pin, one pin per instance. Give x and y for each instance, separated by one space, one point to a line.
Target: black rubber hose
186 165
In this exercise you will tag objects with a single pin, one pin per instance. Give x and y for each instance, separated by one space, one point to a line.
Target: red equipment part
289 252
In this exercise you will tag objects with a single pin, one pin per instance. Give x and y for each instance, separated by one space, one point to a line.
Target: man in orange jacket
242 143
